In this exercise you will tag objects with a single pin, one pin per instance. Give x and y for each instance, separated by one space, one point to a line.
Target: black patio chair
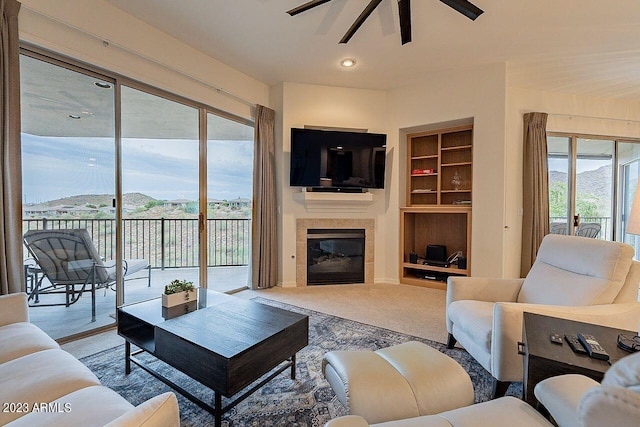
70 262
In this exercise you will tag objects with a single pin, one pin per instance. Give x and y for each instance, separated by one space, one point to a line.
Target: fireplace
335 256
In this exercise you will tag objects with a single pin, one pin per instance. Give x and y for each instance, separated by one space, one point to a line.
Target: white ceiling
589 47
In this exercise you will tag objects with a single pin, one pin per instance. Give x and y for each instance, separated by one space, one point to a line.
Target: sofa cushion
87 407
473 318
159 411
624 373
561 396
39 377
423 421
576 271
505 411
367 385
438 382
20 339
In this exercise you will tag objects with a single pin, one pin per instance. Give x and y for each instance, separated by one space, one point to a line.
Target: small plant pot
179 298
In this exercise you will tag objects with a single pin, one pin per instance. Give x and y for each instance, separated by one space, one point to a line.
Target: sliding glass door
68 178
594 188
160 184
229 202
592 183
629 166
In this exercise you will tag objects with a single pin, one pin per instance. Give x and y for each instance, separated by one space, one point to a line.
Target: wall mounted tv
337 159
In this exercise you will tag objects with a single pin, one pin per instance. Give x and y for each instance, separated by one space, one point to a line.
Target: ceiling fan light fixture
465 7
348 62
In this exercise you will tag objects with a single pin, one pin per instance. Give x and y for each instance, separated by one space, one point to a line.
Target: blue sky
55 167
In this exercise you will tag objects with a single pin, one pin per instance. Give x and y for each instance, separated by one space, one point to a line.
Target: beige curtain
535 195
264 245
11 272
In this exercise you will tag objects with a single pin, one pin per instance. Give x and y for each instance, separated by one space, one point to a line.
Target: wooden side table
544 359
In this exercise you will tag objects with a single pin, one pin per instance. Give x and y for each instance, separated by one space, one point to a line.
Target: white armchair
577 278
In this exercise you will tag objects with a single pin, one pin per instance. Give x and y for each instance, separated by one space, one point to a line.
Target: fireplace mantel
334 202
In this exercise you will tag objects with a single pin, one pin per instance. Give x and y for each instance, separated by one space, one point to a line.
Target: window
591 185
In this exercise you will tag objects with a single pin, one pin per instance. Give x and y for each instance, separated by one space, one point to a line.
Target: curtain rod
571 116
147 58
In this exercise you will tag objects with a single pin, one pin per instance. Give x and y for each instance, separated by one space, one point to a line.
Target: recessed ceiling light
103 85
74 116
348 62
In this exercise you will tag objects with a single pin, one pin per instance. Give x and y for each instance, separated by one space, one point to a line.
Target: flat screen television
327 158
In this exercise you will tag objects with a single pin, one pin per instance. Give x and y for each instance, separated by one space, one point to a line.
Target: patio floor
61 321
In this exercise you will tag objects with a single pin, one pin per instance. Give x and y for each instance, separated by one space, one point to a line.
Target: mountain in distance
131 199
595 182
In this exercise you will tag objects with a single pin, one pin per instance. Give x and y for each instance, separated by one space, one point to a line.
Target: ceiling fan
404 8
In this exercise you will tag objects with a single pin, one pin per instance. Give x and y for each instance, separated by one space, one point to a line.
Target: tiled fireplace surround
303 224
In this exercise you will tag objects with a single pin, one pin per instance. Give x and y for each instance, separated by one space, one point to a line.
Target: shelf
431 217
459 147
425 283
444 165
433 156
334 202
451 270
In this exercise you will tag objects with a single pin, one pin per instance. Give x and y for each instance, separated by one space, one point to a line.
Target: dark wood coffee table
544 359
226 345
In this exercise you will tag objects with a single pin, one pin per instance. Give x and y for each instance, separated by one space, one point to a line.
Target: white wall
136 50
335 107
568 113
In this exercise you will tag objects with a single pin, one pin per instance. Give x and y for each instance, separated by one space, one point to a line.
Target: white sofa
578 278
572 401
42 385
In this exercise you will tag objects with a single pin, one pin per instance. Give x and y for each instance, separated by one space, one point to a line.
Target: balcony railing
604 221
165 243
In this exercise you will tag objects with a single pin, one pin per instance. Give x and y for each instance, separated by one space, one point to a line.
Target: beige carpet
408 309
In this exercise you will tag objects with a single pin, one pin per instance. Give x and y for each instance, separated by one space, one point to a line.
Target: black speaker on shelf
462 263
413 258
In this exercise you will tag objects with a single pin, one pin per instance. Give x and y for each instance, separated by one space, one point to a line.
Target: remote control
593 347
575 345
556 339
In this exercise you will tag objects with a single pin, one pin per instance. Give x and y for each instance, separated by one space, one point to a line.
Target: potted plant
178 292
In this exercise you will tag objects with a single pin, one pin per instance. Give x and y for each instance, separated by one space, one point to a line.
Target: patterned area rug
307 401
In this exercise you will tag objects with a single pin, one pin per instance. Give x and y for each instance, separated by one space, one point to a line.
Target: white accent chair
578 278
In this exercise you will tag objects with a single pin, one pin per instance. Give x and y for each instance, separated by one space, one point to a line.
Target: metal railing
164 242
604 221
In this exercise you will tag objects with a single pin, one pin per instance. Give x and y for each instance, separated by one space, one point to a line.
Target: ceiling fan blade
464 7
309 5
360 20
404 9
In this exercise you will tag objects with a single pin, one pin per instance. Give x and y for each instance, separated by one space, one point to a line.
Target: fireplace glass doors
335 256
